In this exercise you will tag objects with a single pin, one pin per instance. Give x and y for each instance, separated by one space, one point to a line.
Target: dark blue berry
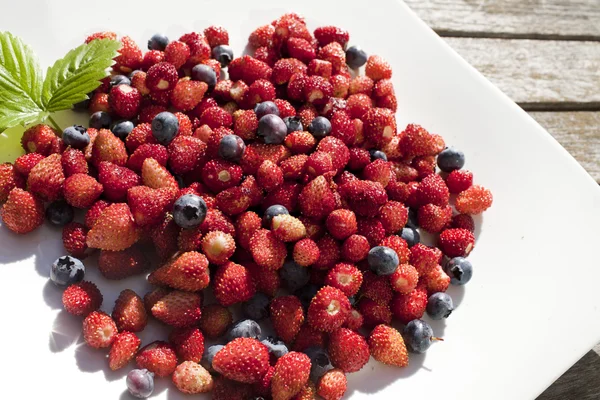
272 129
450 159
158 41
293 124
377 155
306 294
59 213
273 211
140 383
117 80
320 127
383 260
418 335
209 355
413 219
189 211
246 328
257 308
223 54
276 347
66 271
231 148
460 270
320 362
164 127
204 73
355 57
411 235
76 136
100 120
265 108
122 128
294 275
439 305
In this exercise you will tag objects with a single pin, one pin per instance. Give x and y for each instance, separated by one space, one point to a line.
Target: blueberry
265 108
320 127
231 148
223 54
377 154
66 271
245 328
59 213
271 212
76 136
294 275
413 220
460 270
383 260
206 74
450 159
306 294
411 235
140 383
293 124
122 128
257 307
355 57
276 347
320 362
418 335
100 120
272 129
164 127
439 305
189 211
158 41
209 354
119 80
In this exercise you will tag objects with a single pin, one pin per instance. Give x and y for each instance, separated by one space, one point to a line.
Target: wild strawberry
359 158
287 228
81 298
125 101
218 247
155 151
74 239
372 229
300 49
355 248
416 141
73 162
116 180
424 258
215 321
198 46
407 307
245 124
262 36
157 357
348 350
185 152
464 221
148 205
317 90
306 252
345 277
404 279
138 81
328 309
215 117
316 199
355 320
379 171
123 350
341 224
243 360
259 91
358 105
38 139
188 272
318 163
474 200
187 94
267 280
94 212
291 374
309 337
248 69
147 114
154 296
269 175
107 147
332 385
10 178
245 226
233 284
156 176
436 280
188 343
433 189
300 142
334 53
216 35
328 34
191 378
122 264
179 309
293 167
387 346
287 317
456 242
189 239
22 212
23 166
389 102
101 35
233 201
320 68
393 215
377 68
161 77
177 53
345 177
46 178
433 218
459 180
329 252
361 85
376 288
129 313
140 135
130 56
403 192
379 126
216 221
267 250
114 229
99 330
81 190
185 124
374 313
100 102
295 91
364 197
225 389
285 195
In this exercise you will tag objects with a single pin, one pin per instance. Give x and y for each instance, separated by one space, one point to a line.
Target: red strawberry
328 309
187 94
361 85
123 350
157 357
434 218
341 224
219 175
306 252
256 153
116 180
23 166
287 317
295 91
150 59
147 114
379 171
138 79
424 258
129 313
416 141
108 147
99 102
355 320
130 56
188 272
403 192
379 126
263 387
364 197
456 242
377 68
233 284
73 161
316 199
140 135
22 212
433 190
216 221
425 165
82 298
259 91
318 163
225 389
99 330
161 77
216 117
244 360
125 101
376 288
329 252
81 190
335 54
309 337
287 228
178 309
122 264
148 205
189 343
404 279
345 277
407 307
269 175
300 142
459 180
74 237
215 320
393 216
355 248
38 139
317 90
46 178
464 221
301 49
147 150
245 226
286 109
267 280
348 350
436 280
199 48
218 247
293 167
291 374
245 124
387 346
177 53
399 245
191 378
372 229
328 34
156 176
114 229
101 35
267 251
185 152
474 200
358 105
233 201
152 297
248 69
216 35
374 313
332 385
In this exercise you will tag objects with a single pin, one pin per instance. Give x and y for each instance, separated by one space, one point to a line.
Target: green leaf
71 78
20 83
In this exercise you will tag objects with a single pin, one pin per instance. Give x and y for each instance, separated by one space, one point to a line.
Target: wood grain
538 74
546 19
580 382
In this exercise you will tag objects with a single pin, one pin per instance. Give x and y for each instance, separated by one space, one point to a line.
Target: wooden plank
579 133
538 74
579 382
549 19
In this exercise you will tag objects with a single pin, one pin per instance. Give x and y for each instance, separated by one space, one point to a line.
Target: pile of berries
287 189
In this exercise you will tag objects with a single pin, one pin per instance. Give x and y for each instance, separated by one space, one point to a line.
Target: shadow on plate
94 360
52 295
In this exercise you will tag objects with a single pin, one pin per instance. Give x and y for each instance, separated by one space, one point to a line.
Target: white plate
531 309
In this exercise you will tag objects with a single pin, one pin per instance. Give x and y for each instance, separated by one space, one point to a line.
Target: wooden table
545 55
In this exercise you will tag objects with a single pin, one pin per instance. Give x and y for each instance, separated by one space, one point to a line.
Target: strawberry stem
437 338
54 124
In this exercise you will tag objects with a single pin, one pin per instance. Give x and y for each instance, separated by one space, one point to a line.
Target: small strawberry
199 48
245 124
345 277
355 248
23 166
122 264
399 245
101 35
138 79
233 284
74 237
108 147
474 200
99 102
262 36
424 258
156 176
116 180
269 175
301 49
188 342
404 279
364 197
178 309
341 224
295 91
416 141
46 178
434 218
376 288
456 242
355 320
216 35
286 109
267 251
358 105
287 317
436 280
377 68
267 280
130 56
187 94
464 221
125 101
374 313
114 229
387 346
216 221
335 54
407 307
293 167
73 161
215 321
141 134
22 212
328 34
161 77
219 175
404 173
243 360
259 91
185 152
306 252
99 330
157 357
123 350
393 215
256 153
329 252
348 350
361 85
287 228
318 163
152 297
372 229
81 190
147 114
216 117
38 139
300 142
144 151
129 313
152 58
433 190
309 337
188 272
191 378
82 298
425 165
316 199
459 180
263 387
328 309
332 385
148 205
314 229
291 374
177 53
233 201
218 247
